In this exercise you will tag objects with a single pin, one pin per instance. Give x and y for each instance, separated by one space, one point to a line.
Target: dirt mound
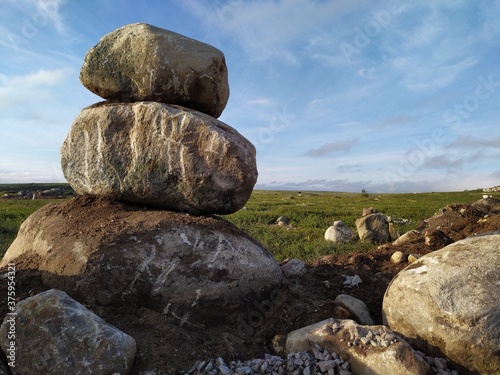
167 348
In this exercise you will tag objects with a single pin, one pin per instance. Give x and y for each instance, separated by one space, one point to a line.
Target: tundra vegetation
310 214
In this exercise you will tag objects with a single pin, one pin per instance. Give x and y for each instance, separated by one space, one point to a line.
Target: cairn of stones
156 154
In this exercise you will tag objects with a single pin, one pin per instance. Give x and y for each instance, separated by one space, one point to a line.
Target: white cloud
261 101
51 10
31 88
269 29
424 75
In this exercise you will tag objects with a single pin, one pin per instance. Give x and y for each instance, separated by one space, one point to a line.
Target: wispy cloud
395 120
353 168
52 10
261 101
332 148
470 142
269 29
30 88
422 75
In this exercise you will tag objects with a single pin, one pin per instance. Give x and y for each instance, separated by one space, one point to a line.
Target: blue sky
336 95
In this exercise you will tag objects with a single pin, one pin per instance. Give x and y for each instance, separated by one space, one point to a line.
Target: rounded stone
456 290
163 156
398 257
140 62
55 334
190 268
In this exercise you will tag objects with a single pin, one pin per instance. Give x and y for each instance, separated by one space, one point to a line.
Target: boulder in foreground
370 350
446 303
56 335
190 268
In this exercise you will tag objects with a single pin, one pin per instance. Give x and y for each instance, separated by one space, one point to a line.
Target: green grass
12 213
310 214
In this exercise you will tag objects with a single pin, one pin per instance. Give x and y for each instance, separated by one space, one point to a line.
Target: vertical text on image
11 315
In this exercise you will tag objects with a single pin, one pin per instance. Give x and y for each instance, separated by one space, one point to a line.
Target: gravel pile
376 336
319 361
439 365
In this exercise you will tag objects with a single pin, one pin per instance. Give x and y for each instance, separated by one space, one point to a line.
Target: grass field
310 214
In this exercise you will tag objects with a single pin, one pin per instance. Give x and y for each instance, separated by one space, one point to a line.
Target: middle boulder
164 156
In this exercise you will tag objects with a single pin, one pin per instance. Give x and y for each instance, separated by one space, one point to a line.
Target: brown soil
167 348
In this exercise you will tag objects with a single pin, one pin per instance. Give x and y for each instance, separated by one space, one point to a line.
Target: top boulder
140 62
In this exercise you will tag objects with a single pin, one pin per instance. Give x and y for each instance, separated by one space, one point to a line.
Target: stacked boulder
152 164
156 140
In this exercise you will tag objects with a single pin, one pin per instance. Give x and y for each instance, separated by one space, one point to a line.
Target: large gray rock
189 268
142 62
370 350
165 156
373 228
56 335
447 303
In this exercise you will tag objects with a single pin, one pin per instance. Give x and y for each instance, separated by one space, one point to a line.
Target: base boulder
103 252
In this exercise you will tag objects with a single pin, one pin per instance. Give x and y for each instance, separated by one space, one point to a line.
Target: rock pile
155 143
369 349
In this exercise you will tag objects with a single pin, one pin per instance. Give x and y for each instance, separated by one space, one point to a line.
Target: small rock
339 233
224 370
368 211
283 219
408 237
398 257
327 365
340 313
413 257
279 344
356 308
351 281
294 268
244 370
373 228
